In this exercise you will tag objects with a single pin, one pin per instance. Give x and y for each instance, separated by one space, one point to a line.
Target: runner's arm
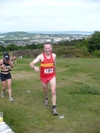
1 64
32 64
11 63
54 57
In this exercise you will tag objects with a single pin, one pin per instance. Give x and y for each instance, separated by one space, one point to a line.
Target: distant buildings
20 39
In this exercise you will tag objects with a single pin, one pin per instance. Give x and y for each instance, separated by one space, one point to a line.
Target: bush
27 53
71 51
96 53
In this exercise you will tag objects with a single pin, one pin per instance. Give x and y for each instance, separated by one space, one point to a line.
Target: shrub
96 53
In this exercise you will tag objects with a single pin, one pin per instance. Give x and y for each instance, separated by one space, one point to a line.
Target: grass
78 98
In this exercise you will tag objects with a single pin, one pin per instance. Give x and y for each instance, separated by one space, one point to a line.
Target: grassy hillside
78 98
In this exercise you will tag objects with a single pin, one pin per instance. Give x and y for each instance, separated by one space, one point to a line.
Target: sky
49 15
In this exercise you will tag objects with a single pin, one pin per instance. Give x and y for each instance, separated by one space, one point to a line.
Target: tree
11 47
82 44
94 42
2 48
31 46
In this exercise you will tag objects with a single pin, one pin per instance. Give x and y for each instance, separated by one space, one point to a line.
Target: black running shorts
4 77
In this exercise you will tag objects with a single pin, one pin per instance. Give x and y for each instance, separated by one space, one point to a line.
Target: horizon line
48 31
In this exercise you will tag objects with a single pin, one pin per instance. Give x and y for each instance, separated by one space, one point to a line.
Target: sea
63 32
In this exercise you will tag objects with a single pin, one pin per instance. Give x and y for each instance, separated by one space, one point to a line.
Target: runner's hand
36 69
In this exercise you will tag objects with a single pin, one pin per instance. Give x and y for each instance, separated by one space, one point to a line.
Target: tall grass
78 98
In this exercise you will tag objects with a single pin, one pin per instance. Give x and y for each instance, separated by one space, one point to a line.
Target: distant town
25 38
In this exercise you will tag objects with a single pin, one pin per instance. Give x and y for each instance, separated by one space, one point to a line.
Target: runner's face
47 48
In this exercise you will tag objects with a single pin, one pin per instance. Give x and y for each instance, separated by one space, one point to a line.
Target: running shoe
11 99
2 94
46 102
54 111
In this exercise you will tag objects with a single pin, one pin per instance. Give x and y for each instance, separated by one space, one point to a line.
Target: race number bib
50 70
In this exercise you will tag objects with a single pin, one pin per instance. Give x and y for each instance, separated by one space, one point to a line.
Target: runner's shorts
4 77
46 79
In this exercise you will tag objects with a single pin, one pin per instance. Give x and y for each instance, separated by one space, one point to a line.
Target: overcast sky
49 15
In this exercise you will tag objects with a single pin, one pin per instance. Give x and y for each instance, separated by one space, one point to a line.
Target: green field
78 98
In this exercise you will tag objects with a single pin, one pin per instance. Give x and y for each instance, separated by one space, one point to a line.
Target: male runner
47 73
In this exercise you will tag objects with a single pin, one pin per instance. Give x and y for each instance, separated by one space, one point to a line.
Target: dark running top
6 64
